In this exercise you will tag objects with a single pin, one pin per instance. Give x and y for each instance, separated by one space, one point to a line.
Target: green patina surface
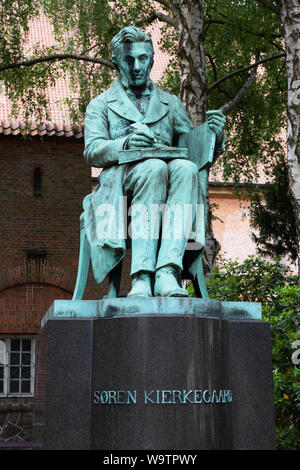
151 153
62 309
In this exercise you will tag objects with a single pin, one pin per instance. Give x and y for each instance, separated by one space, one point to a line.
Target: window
17 366
37 182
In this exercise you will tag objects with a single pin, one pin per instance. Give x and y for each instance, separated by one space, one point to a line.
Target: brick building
43 182
42 187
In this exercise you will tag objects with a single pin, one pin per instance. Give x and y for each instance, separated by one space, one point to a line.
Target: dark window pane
1 372
15 358
2 351
26 359
1 386
26 345
25 373
25 386
15 345
14 386
14 372
37 181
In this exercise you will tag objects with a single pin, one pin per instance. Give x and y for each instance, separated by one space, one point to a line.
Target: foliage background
271 283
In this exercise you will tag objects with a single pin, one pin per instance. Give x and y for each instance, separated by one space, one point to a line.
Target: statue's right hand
141 139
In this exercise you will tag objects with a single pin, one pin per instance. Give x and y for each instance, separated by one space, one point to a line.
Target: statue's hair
128 34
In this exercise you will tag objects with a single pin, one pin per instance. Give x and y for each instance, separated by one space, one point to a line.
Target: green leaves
235 33
270 282
284 317
273 216
253 280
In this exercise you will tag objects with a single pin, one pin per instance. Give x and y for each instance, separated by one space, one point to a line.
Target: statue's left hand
216 122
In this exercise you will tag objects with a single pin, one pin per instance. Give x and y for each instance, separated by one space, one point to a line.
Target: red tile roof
59 124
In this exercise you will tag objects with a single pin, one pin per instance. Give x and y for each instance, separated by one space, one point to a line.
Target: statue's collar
121 104
146 92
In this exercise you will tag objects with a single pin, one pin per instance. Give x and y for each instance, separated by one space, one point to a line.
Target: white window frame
7 366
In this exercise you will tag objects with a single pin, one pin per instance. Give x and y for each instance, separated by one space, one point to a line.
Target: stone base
157 380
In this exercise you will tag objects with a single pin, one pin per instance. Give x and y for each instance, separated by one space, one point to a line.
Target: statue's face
136 63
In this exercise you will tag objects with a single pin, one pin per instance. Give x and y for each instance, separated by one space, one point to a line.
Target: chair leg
199 283
196 288
83 266
114 279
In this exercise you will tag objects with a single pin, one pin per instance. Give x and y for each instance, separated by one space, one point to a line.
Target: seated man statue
133 114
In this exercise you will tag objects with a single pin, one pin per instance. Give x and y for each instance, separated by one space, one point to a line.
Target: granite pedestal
172 374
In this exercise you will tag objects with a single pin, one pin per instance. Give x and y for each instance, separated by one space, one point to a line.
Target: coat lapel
118 101
158 107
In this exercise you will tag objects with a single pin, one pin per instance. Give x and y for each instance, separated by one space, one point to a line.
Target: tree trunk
192 72
193 87
290 15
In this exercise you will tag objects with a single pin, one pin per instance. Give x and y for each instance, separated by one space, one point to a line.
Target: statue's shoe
141 286
166 284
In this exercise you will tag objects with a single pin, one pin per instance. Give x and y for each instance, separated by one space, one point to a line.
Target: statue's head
132 55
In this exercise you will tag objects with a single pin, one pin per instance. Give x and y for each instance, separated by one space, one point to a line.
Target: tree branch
166 19
244 69
168 5
270 6
226 108
212 63
54 57
214 70
146 21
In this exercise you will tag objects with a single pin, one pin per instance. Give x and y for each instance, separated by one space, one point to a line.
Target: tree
289 12
273 217
222 51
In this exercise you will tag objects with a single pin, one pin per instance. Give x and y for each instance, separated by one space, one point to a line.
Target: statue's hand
216 122
141 139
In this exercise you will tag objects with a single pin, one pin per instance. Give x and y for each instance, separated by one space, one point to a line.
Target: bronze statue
136 133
